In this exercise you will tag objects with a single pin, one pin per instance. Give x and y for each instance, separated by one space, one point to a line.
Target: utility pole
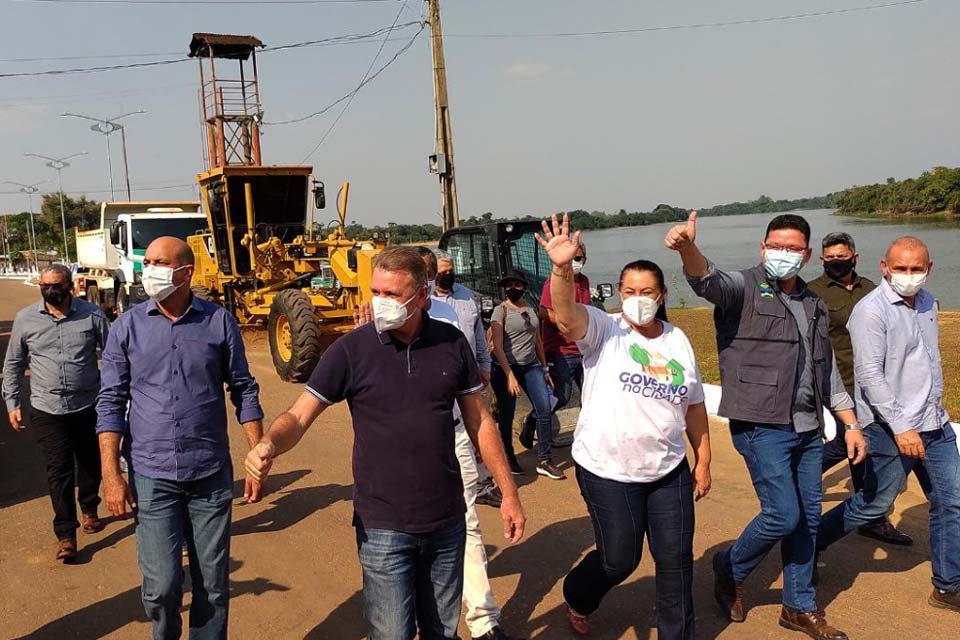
30 189
442 162
107 127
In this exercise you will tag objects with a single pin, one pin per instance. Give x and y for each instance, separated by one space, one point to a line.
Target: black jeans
622 513
64 439
835 452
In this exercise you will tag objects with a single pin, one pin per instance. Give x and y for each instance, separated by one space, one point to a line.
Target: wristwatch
853 427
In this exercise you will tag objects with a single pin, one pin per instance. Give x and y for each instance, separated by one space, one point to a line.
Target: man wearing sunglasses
58 340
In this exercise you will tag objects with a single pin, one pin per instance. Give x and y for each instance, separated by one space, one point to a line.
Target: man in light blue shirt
899 384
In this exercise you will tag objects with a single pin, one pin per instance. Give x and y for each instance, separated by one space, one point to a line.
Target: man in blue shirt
899 382
162 394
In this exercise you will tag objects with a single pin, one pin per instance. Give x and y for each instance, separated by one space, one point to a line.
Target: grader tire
294 335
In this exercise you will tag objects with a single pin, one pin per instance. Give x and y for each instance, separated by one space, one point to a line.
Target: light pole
106 126
58 165
30 189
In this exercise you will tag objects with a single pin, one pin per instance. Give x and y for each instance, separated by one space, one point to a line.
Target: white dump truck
110 258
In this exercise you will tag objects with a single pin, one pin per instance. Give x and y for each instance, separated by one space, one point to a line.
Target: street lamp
30 189
58 165
106 127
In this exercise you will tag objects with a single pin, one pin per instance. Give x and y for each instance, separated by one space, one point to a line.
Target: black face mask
838 269
446 279
54 295
514 295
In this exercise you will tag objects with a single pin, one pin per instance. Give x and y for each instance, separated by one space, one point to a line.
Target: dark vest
759 347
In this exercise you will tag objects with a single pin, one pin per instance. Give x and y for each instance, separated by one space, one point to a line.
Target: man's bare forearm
110 452
694 262
254 432
284 433
488 443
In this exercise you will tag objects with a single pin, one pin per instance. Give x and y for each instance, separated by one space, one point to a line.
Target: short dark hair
61 269
405 260
790 221
839 237
427 252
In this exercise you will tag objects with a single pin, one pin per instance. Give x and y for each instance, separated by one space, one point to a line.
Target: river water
733 242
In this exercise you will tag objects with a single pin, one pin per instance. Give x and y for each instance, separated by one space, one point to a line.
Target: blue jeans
622 513
534 383
885 474
785 469
168 514
412 582
565 370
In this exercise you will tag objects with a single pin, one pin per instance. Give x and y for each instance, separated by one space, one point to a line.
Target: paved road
295 573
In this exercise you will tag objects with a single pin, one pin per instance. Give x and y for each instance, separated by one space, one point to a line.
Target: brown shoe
578 623
548 469
945 600
91 523
729 594
812 623
67 549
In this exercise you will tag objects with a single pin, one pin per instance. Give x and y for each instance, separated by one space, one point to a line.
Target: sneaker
884 531
515 468
490 496
548 469
945 600
527 431
578 623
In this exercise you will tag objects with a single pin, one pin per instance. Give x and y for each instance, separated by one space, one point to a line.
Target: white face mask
906 284
640 310
781 264
158 281
577 266
389 314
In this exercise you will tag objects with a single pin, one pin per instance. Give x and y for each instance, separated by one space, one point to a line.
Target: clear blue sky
690 117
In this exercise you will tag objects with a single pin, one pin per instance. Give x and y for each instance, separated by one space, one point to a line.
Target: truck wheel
294 335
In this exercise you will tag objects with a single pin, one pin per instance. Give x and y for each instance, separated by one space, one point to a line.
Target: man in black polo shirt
400 376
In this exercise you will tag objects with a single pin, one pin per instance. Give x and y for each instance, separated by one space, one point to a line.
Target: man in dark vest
777 372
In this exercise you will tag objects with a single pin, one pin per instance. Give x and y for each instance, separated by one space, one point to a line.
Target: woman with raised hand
642 392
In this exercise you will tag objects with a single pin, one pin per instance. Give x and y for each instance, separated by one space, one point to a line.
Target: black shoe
527 431
515 468
497 634
490 497
884 531
945 600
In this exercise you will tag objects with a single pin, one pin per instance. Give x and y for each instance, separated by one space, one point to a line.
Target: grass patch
698 325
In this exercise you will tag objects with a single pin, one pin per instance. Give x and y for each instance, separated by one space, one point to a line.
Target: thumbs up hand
682 236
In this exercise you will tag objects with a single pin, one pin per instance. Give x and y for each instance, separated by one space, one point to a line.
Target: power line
349 38
182 2
366 77
700 25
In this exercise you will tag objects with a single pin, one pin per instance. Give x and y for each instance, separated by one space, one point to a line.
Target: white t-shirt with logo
636 391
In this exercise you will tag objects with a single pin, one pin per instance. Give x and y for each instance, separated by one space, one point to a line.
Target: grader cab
259 257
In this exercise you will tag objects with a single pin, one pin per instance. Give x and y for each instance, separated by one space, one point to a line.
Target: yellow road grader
259 257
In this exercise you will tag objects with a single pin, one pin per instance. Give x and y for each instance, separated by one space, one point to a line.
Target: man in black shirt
400 376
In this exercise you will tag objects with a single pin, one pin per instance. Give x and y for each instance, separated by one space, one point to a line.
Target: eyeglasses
790 249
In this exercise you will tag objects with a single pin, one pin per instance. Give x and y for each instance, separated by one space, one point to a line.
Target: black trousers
835 452
622 514
69 442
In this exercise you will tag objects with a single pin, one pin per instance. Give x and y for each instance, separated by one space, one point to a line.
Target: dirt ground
295 572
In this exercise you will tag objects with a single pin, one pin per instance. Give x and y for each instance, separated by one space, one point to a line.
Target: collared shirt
840 302
61 354
401 398
172 375
726 290
896 355
464 302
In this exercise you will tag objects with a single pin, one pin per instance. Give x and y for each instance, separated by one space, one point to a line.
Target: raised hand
682 236
558 243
